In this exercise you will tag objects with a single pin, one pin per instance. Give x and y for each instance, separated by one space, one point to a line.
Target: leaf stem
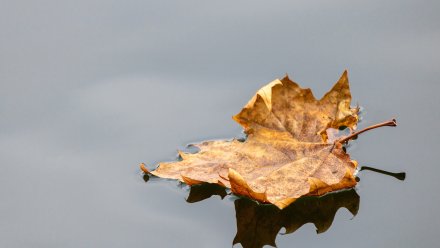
390 123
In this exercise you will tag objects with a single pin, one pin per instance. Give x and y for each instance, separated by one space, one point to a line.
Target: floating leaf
288 152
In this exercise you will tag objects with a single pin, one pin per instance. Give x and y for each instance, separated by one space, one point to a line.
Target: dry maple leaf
287 153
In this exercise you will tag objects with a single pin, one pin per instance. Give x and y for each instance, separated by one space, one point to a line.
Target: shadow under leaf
259 224
203 191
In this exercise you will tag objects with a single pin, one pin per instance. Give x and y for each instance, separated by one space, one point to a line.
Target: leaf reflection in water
400 176
204 191
258 224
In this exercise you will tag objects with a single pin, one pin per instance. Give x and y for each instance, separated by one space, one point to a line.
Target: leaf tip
144 168
190 181
182 155
284 203
344 78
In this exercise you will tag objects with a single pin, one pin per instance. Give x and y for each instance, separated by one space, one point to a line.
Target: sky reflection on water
90 89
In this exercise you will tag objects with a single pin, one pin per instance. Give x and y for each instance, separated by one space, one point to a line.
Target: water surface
90 89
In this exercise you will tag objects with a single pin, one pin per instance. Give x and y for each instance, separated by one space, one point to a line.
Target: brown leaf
286 154
283 106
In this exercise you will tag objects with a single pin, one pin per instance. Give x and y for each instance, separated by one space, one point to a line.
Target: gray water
89 89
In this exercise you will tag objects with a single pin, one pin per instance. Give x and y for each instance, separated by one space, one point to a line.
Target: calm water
90 89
